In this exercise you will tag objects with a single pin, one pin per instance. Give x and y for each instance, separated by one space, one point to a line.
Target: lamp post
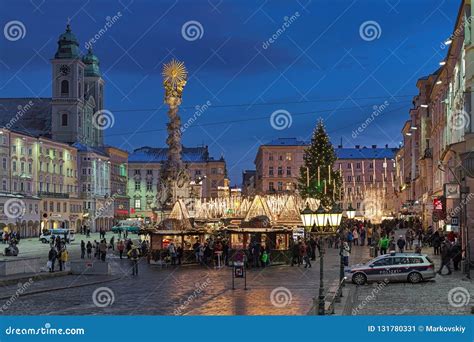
350 212
326 223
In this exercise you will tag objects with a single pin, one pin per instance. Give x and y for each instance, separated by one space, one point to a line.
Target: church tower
67 88
77 89
94 94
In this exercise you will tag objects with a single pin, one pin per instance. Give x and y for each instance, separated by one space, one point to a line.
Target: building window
371 165
358 178
288 156
58 207
138 204
349 178
149 185
149 172
288 170
213 171
349 166
214 184
271 187
270 156
4 185
270 171
64 87
197 172
371 178
280 186
64 120
4 163
357 165
280 171
358 205
137 185
137 172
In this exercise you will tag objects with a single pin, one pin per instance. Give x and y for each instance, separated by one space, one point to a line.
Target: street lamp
326 223
307 217
351 212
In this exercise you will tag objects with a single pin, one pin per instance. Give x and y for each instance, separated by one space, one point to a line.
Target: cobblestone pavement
187 290
192 290
428 298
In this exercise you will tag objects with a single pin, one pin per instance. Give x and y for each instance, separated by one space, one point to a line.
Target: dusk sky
321 65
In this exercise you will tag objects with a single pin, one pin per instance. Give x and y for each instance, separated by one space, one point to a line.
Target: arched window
64 87
64 120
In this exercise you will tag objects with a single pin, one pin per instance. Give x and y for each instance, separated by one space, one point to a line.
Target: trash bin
372 252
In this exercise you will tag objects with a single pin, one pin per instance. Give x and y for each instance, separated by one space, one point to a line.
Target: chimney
374 146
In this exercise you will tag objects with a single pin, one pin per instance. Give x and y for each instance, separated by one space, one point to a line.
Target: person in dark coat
52 256
312 244
445 257
456 255
83 249
401 244
436 243
295 254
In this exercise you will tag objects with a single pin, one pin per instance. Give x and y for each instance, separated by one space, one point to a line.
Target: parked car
409 267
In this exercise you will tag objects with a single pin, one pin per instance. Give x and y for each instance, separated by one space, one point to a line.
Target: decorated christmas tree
318 179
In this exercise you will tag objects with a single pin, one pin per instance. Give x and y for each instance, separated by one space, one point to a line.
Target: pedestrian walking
63 259
369 236
346 252
112 243
355 236
436 243
103 249
306 254
445 250
401 244
120 247
52 255
83 249
172 252
383 245
89 250
134 255
456 255
295 253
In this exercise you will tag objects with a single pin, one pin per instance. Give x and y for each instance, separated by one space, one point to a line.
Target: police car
411 267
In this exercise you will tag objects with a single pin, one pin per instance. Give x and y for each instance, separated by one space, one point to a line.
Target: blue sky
320 65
